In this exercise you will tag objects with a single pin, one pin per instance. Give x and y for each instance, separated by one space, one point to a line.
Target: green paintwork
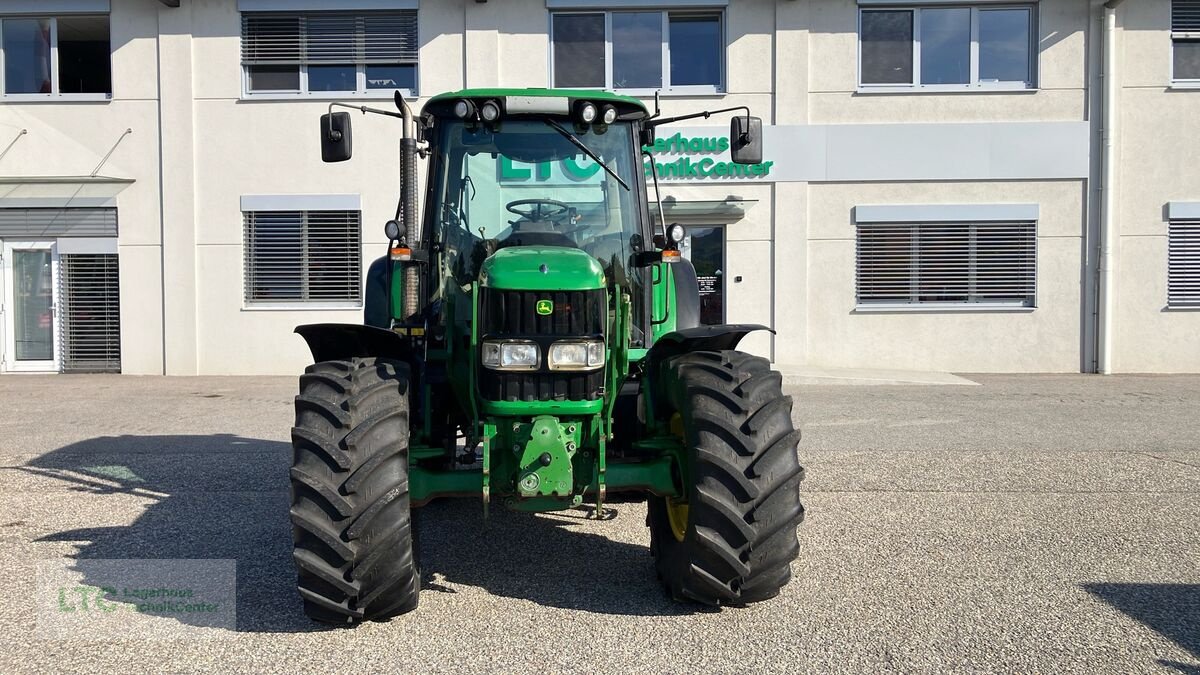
663 303
653 475
545 438
520 268
425 484
528 408
593 95
397 298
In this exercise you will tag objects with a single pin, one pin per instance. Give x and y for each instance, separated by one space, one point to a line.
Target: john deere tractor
533 340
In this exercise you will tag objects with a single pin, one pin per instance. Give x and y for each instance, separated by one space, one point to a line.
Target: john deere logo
545 307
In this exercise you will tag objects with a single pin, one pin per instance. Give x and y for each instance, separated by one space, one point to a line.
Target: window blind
91 313
272 38
35 223
947 263
1183 263
303 256
1185 16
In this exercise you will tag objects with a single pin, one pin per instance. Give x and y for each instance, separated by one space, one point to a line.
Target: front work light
587 112
576 355
511 355
610 114
490 111
675 234
464 109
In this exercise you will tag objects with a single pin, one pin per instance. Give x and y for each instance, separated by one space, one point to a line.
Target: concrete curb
815 375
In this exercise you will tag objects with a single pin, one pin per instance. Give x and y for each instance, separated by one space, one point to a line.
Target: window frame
302 303
975 85
666 13
303 93
914 304
55 94
1178 36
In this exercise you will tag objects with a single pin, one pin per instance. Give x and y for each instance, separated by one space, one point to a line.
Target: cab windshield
525 183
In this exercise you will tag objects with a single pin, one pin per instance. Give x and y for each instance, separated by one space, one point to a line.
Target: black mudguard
343 341
687 295
700 338
375 309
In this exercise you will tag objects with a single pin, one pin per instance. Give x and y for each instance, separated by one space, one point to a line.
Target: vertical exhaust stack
407 211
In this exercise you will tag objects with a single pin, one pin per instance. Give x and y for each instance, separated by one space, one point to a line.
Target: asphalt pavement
1030 524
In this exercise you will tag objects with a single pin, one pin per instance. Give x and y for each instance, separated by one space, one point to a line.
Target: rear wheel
352 527
731 537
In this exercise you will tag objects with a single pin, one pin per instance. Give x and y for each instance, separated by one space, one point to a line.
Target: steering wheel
543 209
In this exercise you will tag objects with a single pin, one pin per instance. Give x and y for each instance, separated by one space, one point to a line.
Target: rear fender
344 341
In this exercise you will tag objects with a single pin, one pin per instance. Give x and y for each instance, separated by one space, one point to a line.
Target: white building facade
940 191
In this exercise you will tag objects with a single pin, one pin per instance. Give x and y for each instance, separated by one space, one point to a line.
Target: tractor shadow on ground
1171 610
544 558
208 497
226 497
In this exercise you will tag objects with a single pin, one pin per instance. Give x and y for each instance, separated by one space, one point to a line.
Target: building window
639 51
330 53
303 256
947 48
1183 263
977 264
90 313
46 56
1185 41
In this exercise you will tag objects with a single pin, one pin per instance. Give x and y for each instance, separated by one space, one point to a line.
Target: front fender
344 341
700 338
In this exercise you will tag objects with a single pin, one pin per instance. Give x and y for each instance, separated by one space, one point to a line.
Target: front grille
505 314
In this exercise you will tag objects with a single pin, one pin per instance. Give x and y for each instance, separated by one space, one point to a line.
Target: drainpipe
1107 187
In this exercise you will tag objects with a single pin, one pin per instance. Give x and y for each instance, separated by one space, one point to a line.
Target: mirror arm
364 109
705 114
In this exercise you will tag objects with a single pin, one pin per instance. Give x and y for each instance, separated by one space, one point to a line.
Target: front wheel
731 537
355 548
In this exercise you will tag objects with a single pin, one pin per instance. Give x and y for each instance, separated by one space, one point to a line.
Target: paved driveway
1047 523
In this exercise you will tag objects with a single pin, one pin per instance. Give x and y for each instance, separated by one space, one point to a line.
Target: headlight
511 355
568 355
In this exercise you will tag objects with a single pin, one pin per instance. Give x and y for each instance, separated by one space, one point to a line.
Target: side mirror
745 140
336 140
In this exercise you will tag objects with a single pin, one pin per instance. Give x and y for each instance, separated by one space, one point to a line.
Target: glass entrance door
705 248
31 306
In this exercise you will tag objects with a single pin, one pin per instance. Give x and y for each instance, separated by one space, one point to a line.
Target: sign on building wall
849 152
702 156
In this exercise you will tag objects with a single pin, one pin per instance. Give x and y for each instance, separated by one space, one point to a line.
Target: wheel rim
677 516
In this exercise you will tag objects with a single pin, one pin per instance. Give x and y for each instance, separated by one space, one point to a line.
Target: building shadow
1171 610
226 497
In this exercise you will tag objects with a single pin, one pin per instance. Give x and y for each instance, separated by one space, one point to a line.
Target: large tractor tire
355 548
731 537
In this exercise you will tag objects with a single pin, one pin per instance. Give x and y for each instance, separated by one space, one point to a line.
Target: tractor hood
542 268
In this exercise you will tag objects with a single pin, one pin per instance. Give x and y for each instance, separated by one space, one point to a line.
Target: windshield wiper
587 151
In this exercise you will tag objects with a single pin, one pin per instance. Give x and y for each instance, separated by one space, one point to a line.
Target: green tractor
534 339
